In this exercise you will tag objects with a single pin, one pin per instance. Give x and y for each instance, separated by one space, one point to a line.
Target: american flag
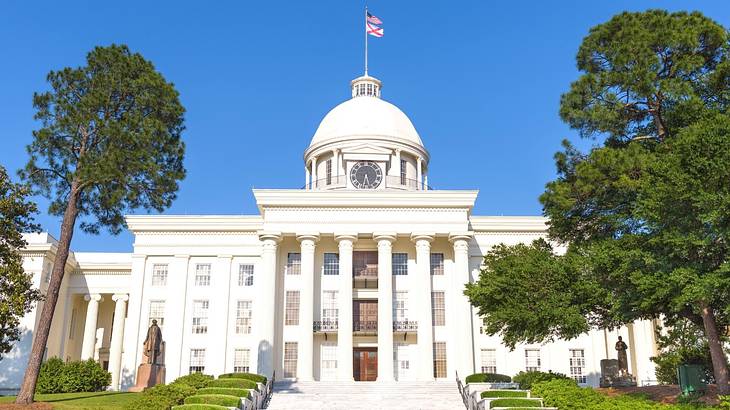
370 25
373 19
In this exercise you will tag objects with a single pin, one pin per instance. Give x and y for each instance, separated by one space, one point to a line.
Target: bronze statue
152 343
623 361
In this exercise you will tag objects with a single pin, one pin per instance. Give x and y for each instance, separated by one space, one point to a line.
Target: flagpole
366 40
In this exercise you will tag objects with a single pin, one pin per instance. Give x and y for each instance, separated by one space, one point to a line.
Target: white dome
366 116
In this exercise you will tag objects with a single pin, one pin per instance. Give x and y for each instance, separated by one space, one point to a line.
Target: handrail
390 181
405 325
325 326
365 326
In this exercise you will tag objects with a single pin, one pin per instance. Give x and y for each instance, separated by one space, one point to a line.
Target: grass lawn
77 401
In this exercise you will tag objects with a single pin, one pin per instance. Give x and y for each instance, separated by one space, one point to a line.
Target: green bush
199 407
197 380
527 379
231 391
249 376
219 399
161 397
515 403
237 383
488 378
72 377
503 393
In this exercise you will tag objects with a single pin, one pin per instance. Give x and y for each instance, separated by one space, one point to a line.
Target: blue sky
481 81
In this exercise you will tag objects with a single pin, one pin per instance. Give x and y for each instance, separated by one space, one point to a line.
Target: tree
16 287
683 343
109 143
645 215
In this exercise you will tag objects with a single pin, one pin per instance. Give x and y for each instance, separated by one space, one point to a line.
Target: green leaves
114 127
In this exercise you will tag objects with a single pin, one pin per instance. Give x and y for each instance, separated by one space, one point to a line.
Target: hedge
219 399
57 376
231 391
249 376
237 383
503 393
199 407
488 378
566 395
527 379
197 380
515 403
161 397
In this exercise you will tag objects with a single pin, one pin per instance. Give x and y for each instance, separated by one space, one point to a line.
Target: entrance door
365 364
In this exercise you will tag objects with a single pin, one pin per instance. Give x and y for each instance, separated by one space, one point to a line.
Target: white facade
359 275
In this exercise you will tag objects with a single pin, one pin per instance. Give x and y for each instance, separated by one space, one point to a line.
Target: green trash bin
692 379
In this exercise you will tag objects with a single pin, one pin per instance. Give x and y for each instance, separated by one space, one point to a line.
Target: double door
365 364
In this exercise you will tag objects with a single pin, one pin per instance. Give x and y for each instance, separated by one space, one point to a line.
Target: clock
366 175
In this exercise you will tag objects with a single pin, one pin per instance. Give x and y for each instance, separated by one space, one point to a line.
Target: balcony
364 328
325 326
404 326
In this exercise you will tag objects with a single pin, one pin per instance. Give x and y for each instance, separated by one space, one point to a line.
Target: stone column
92 311
464 363
306 308
396 167
132 343
314 173
336 164
306 177
344 301
422 286
265 323
385 305
115 348
419 173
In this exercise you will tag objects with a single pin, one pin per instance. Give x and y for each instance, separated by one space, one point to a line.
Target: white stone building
359 275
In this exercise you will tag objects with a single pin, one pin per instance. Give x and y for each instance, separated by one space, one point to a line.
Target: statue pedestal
149 375
611 377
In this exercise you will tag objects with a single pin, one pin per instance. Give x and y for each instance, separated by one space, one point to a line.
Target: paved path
365 395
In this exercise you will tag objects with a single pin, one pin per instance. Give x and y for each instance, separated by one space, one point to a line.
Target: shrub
527 379
249 376
72 377
231 391
503 393
197 380
488 378
219 399
199 407
146 402
724 402
161 397
237 383
515 403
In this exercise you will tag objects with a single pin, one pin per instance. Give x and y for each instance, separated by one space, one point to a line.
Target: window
329 306
243 317
489 361
403 174
578 365
241 358
245 275
438 310
200 316
157 312
400 306
202 274
197 361
328 352
532 360
401 362
291 316
290 360
328 164
437 264
331 264
294 263
400 264
439 360
159 275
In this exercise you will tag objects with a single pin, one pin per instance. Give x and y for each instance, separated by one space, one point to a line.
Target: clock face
366 175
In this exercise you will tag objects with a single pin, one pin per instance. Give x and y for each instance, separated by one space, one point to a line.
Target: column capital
346 236
460 236
423 236
270 236
93 296
123 297
385 236
311 236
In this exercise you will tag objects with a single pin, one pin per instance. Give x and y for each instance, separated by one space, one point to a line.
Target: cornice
194 223
508 224
101 272
342 142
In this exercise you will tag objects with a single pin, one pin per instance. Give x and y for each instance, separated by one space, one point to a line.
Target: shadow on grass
80 396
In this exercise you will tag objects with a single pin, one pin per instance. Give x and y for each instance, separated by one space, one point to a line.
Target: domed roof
366 115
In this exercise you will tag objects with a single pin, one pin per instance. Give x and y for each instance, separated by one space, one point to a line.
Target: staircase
431 395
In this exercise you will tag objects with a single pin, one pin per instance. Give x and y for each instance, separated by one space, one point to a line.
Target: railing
268 391
470 402
389 181
365 326
405 326
367 277
325 326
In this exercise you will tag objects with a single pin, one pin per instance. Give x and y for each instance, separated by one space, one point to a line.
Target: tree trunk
719 363
27 389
